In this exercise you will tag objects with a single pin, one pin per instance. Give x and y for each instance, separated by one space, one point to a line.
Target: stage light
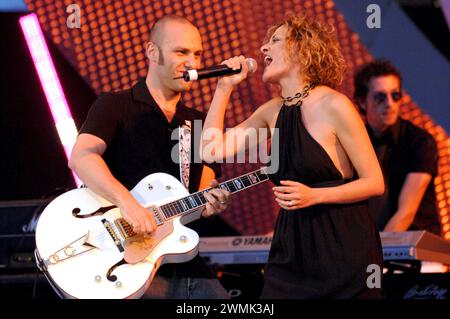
48 77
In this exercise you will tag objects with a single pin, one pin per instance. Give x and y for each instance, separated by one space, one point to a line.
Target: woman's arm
353 137
216 145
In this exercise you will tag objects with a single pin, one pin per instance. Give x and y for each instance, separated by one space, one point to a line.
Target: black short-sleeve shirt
405 148
140 141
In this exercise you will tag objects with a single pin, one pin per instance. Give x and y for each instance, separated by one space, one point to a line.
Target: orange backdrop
108 52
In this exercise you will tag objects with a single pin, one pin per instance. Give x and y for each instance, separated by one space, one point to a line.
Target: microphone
215 71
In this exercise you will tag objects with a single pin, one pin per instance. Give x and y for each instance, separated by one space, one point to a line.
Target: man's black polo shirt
138 135
139 143
402 149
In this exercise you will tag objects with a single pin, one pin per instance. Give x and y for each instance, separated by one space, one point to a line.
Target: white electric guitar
87 250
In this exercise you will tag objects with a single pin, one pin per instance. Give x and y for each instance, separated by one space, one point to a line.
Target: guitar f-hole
102 210
113 278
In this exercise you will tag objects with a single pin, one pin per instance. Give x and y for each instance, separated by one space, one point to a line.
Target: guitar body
82 259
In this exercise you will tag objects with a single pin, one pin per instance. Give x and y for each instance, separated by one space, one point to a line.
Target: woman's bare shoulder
270 109
336 103
272 104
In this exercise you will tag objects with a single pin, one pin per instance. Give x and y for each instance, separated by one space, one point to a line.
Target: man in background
407 153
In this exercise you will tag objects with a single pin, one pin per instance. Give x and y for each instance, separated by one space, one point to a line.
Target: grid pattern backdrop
108 52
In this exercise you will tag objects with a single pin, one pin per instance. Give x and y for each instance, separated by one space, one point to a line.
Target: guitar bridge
125 229
112 233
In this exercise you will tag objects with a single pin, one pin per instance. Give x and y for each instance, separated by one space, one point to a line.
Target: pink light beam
51 85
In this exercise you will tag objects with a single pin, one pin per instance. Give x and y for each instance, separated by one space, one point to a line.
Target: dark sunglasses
381 97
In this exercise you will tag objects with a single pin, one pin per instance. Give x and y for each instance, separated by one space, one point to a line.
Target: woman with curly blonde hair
324 240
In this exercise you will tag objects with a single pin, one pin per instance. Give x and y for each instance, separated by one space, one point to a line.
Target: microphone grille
252 65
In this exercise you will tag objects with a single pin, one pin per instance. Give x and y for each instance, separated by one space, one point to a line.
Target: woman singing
324 239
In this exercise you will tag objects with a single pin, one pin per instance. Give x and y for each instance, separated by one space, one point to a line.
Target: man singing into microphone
128 135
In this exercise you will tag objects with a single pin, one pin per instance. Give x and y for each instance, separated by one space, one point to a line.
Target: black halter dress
321 251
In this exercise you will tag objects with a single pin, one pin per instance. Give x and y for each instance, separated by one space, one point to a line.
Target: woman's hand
232 80
293 195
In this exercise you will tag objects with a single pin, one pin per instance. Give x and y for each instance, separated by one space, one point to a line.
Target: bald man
127 135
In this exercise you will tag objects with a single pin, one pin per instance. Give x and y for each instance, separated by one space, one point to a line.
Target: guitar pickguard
139 246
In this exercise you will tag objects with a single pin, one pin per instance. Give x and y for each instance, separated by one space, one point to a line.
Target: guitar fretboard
196 200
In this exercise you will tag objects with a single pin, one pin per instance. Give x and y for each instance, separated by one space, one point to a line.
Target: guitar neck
193 202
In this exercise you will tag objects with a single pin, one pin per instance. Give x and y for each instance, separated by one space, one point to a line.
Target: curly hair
381 67
313 44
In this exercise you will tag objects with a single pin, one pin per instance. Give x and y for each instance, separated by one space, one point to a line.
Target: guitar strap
184 136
